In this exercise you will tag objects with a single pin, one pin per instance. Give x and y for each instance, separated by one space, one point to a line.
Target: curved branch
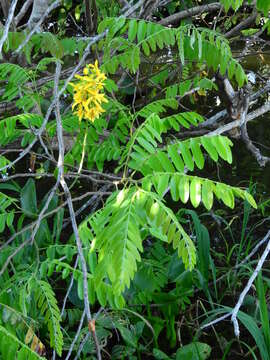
242 25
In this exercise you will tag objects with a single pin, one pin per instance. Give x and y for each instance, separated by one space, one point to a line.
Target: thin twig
76 336
247 288
243 294
15 252
262 160
88 203
82 346
48 214
44 209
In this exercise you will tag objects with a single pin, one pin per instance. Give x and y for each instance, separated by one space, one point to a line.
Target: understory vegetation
134 189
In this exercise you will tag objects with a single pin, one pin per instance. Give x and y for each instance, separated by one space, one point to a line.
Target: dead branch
262 160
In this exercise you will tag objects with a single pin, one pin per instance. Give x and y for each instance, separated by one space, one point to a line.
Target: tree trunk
39 8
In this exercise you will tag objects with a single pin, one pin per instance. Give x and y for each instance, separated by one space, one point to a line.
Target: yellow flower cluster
87 95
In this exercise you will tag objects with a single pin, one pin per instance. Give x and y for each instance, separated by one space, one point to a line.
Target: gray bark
190 12
5 6
39 8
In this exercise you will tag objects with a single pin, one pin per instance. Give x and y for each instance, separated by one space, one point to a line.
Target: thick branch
190 12
254 114
242 25
23 11
38 11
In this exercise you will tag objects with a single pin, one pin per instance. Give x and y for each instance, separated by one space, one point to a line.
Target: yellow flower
88 98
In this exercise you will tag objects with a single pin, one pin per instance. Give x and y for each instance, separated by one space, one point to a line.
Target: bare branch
44 209
48 214
242 25
10 257
216 321
23 11
243 294
262 160
212 120
130 11
190 12
76 336
70 206
82 346
254 114
7 25
247 288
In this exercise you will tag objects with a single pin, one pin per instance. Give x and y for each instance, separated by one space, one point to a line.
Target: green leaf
195 192
222 148
146 49
162 184
263 309
207 194
127 335
174 187
207 144
197 153
142 27
194 351
225 193
163 158
176 158
184 189
9 341
160 355
47 304
250 200
132 30
29 198
146 145
51 43
186 154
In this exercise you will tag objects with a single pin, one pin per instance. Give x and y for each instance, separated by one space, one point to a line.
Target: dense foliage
109 196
